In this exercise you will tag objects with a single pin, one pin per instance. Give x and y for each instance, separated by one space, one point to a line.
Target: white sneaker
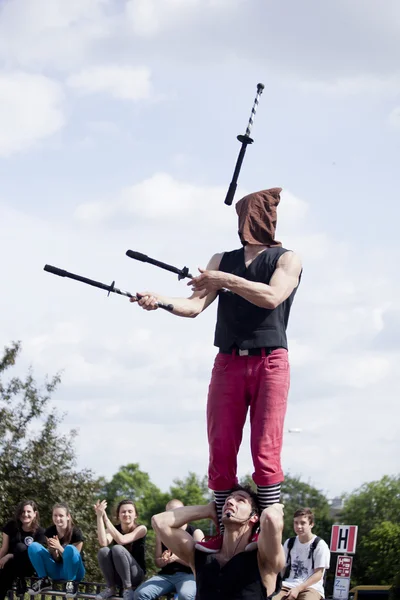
105 594
39 586
71 589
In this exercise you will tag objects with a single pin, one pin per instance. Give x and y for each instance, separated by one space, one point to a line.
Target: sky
118 125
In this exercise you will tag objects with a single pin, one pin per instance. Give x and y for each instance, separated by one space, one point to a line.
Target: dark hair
20 509
121 503
255 505
70 526
305 512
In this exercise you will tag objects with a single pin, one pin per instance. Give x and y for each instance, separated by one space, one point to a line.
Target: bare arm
100 509
198 536
283 281
5 545
271 557
168 526
124 538
5 556
104 538
183 307
160 558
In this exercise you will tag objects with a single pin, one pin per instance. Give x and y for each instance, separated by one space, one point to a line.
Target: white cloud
292 209
351 86
394 118
162 198
123 82
50 33
149 17
144 17
146 375
31 109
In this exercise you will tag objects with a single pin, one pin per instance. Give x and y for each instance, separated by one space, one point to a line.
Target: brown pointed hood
257 217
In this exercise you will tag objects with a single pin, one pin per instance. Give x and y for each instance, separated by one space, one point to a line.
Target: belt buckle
243 352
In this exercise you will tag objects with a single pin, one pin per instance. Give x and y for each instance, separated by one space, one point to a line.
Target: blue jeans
70 568
159 585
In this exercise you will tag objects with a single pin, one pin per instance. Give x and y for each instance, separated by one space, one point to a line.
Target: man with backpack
307 557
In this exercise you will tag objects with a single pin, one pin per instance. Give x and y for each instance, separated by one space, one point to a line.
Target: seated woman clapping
63 559
18 535
123 565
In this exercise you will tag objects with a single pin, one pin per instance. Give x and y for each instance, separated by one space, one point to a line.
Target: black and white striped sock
268 494
220 498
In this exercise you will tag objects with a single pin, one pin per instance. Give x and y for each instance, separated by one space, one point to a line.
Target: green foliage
395 589
191 490
297 494
36 460
373 503
248 480
382 545
133 484
375 508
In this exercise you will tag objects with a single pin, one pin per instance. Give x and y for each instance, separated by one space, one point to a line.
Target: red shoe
211 544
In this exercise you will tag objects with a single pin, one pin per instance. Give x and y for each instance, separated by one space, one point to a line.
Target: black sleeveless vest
242 323
238 579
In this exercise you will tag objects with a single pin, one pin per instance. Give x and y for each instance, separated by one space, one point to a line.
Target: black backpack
310 555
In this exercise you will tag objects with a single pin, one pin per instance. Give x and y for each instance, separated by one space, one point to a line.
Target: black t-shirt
76 536
137 548
18 535
238 579
177 567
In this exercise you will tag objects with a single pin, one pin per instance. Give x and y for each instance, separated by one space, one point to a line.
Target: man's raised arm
167 525
283 281
271 557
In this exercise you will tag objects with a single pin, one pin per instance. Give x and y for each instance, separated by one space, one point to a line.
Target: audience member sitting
63 559
123 565
175 574
18 535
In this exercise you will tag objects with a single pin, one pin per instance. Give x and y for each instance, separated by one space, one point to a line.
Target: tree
382 545
395 589
131 483
191 490
375 506
36 461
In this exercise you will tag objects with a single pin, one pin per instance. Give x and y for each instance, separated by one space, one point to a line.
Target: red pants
237 383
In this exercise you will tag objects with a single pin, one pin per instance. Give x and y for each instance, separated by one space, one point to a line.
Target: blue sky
118 122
